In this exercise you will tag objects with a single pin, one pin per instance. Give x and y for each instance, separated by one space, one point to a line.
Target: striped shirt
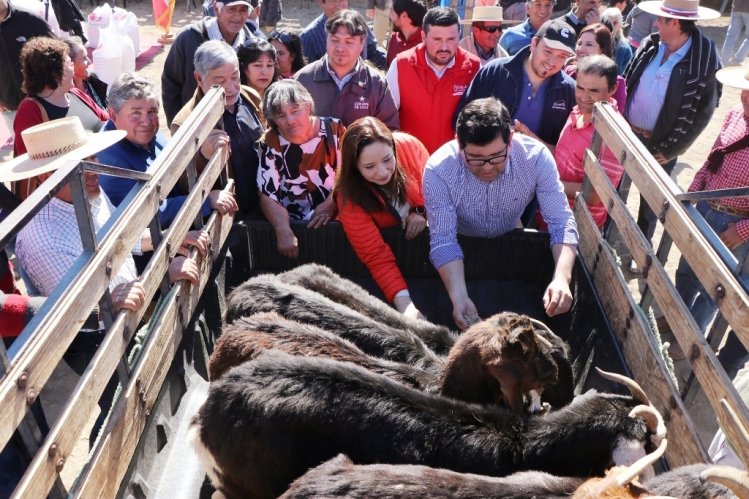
48 246
457 202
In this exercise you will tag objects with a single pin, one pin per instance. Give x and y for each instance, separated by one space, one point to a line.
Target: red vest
427 103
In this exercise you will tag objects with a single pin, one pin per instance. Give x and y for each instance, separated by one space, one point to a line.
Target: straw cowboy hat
486 14
688 10
52 144
737 77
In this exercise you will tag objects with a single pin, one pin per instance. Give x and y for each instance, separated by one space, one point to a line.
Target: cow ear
524 337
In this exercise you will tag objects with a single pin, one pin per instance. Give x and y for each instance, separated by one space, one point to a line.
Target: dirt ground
297 13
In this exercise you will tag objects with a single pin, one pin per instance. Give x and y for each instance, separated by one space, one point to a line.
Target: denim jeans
646 219
738 20
691 291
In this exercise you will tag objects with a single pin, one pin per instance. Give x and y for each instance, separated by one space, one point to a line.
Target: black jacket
16 29
691 97
503 79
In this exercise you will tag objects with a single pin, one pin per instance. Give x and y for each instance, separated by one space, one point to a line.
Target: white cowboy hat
53 143
688 10
737 77
490 14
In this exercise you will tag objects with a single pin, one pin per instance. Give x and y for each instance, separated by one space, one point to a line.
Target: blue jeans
739 20
691 291
646 219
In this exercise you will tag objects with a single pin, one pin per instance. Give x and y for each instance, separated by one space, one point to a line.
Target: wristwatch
419 210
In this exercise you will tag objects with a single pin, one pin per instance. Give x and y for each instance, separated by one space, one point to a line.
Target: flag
162 13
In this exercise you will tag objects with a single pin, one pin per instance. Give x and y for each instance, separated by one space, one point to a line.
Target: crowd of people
468 127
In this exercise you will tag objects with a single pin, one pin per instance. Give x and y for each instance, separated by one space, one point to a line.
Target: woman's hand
414 224
287 243
324 213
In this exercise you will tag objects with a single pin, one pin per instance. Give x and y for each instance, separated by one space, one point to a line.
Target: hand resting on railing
223 201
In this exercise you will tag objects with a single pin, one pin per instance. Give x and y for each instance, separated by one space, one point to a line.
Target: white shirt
48 246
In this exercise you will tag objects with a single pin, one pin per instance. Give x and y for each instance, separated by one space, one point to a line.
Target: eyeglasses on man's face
494 160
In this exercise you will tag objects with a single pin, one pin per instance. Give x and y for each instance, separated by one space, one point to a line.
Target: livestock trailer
161 363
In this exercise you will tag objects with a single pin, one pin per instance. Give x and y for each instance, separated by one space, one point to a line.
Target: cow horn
735 480
636 390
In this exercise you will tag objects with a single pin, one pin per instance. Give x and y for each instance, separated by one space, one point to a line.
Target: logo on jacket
361 104
459 89
559 105
21 39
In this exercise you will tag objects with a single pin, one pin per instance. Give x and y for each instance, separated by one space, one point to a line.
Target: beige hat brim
736 77
22 167
655 7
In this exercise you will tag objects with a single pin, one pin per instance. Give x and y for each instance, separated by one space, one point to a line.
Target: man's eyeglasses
495 160
489 29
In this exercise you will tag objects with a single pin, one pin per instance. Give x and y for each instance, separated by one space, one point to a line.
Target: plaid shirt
457 202
734 172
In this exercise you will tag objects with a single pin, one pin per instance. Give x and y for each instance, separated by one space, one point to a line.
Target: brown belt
639 131
728 209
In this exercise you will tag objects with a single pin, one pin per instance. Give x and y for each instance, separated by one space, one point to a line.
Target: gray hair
607 18
213 54
130 86
282 93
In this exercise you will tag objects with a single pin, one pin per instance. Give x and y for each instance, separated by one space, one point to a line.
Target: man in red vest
428 80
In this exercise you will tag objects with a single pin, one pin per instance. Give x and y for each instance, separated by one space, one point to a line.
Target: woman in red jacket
378 185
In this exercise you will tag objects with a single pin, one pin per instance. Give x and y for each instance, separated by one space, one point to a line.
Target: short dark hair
439 16
250 51
42 63
414 9
687 27
603 36
349 19
482 121
599 65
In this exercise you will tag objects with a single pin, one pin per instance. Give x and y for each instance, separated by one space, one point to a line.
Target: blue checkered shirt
457 202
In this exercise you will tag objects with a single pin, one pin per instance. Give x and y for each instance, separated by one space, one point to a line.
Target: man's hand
198 239
522 129
593 16
128 296
557 297
370 13
660 158
223 201
414 224
730 237
465 314
287 243
324 213
215 139
182 268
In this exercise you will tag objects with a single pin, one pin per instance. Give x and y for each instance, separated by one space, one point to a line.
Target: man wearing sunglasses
486 28
478 185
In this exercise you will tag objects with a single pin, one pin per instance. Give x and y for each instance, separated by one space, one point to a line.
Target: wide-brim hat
688 10
736 77
491 14
52 144
229 3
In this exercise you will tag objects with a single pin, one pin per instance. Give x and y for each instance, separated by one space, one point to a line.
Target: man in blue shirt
531 83
518 37
478 185
314 37
672 90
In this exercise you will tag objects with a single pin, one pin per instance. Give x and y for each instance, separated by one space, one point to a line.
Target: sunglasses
489 29
284 37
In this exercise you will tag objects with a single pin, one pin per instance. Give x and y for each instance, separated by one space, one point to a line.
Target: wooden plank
635 340
705 365
62 315
658 189
112 458
62 438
